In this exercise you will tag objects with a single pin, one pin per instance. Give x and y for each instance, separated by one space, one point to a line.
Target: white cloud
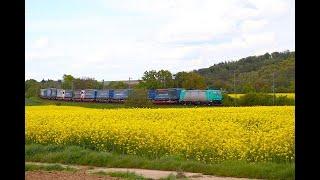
264 38
253 25
173 34
271 7
41 42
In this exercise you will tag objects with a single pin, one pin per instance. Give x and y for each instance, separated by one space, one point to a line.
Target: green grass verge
41 102
81 156
35 101
122 175
54 167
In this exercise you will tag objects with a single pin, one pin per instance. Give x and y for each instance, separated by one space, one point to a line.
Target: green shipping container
214 95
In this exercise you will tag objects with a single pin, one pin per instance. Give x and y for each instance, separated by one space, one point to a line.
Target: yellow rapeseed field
207 134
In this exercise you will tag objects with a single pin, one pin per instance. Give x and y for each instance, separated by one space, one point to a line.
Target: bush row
258 99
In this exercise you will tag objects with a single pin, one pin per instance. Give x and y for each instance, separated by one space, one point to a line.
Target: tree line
151 80
250 74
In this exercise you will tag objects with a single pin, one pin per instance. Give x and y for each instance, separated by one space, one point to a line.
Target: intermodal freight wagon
157 96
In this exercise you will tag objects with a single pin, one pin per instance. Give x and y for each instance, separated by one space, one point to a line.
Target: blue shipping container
152 94
90 94
162 95
48 92
119 94
53 93
172 94
103 94
68 94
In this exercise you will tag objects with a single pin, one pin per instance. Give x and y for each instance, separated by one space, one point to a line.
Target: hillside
254 73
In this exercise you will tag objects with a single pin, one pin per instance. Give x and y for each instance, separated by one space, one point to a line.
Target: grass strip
123 175
82 156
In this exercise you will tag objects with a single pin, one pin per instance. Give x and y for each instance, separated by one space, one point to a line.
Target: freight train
157 96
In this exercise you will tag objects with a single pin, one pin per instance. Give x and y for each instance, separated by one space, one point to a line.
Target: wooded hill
253 73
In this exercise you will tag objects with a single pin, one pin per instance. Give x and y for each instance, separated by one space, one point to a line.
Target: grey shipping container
195 96
60 93
43 92
77 94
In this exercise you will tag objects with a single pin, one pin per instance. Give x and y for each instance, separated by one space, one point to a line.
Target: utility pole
273 88
102 84
234 82
174 80
72 85
129 82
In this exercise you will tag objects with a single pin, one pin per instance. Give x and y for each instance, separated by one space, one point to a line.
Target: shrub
284 100
228 100
252 99
262 99
138 98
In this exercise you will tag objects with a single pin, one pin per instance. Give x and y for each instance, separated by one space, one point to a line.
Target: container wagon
208 97
51 93
43 93
174 94
119 95
167 96
89 95
152 94
68 95
103 95
48 93
60 94
217 97
78 95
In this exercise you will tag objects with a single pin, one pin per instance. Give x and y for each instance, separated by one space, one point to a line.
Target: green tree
117 85
194 81
86 83
49 84
32 88
67 81
150 80
165 79
190 80
180 77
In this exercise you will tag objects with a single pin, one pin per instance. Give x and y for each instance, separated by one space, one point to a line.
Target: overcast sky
118 39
